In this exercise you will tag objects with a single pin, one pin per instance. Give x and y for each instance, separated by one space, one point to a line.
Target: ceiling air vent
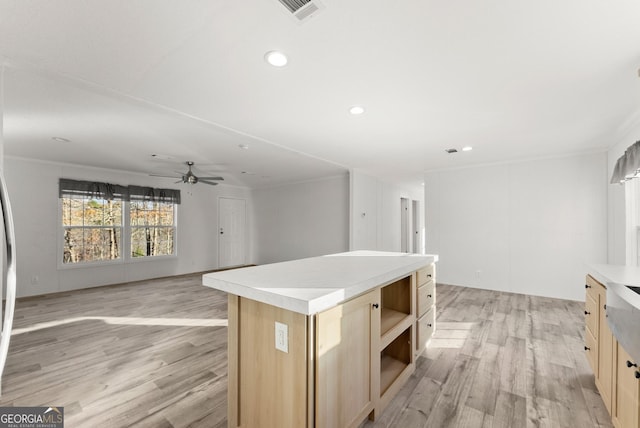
302 9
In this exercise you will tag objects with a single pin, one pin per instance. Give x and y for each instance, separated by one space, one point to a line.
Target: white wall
33 187
301 220
527 227
374 214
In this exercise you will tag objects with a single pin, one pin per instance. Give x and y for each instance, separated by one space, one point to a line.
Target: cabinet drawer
426 326
426 297
591 314
426 274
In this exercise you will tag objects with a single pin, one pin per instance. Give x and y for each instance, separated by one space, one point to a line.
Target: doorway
404 226
415 227
232 221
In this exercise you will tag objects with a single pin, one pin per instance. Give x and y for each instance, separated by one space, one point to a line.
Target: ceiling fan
190 177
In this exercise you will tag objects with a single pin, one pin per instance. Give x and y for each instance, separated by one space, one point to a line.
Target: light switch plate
282 337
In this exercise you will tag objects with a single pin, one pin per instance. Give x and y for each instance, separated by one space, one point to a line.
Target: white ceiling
125 79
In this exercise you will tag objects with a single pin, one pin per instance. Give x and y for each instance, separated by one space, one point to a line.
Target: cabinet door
591 313
592 323
627 408
606 361
346 356
591 348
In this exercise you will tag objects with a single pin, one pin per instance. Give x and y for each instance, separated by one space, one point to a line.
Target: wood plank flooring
153 354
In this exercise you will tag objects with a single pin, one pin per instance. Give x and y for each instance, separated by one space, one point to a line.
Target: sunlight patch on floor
450 334
171 322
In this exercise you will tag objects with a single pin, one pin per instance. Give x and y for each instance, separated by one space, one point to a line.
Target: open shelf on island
392 323
390 318
394 359
396 304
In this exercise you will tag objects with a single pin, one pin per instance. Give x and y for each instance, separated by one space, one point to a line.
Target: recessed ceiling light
276 58
356 110
61 140
161 157
467 149
243 146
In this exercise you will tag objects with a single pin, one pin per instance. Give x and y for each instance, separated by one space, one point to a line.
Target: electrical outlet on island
282 337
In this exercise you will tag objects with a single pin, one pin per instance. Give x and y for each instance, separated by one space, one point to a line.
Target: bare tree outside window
92 229
152 228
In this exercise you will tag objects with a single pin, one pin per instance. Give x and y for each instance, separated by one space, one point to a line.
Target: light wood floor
153 354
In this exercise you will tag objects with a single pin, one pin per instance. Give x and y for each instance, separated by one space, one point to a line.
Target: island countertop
312 285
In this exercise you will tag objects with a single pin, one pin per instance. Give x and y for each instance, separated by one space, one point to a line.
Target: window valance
628 166
139 193
71 188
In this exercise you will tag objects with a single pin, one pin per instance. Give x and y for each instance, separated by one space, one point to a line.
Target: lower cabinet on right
626 408
617 375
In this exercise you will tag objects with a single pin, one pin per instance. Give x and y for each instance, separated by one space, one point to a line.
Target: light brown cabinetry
343 364
616 374
364 354
267 387
347 362
425 308
626 413
591 318
599 341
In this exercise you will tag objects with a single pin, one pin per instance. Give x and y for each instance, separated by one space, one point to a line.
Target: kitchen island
324 341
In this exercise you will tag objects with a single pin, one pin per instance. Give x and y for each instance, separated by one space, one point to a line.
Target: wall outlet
478 274
282 337
35 280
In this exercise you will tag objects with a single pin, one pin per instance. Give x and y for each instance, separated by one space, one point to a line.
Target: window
92 229
152 228
101 220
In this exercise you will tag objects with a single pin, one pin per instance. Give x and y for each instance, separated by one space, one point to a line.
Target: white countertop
312 285
624 275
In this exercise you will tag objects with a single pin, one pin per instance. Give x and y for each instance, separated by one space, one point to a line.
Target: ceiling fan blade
210 178
165 176
179 181
212 183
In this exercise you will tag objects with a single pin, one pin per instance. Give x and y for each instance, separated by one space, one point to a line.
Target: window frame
130 257
61 229
125 244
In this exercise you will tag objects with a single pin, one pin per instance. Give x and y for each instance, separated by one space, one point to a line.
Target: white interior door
415 226
404 225
232 219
